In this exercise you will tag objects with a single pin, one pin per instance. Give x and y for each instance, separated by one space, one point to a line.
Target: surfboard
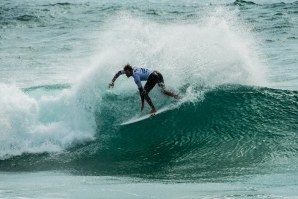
144 117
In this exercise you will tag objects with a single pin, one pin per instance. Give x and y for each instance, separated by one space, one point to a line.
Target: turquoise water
16 185
233 135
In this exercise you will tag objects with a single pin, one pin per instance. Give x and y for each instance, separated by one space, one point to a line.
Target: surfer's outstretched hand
111 85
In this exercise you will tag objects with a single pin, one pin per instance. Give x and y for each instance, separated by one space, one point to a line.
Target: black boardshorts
154 78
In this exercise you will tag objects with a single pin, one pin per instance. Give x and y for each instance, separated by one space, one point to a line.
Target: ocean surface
234 134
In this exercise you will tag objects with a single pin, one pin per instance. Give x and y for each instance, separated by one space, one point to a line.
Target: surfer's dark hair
127 67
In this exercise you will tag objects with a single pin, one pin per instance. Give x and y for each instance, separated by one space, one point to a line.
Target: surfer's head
128 70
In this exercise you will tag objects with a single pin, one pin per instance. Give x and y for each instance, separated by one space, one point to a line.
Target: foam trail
213 52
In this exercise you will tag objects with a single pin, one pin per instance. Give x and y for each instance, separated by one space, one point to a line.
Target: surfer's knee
161 86
145 93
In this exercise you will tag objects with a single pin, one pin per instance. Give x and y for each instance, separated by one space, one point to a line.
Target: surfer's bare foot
153 111
177 97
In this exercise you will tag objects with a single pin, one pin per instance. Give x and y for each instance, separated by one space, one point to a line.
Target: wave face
231 129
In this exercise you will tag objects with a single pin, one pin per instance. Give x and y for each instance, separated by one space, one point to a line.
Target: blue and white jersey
140 74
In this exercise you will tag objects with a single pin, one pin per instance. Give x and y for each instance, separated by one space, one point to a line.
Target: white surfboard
137 119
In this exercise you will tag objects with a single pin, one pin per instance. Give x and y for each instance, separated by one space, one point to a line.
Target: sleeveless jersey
139 74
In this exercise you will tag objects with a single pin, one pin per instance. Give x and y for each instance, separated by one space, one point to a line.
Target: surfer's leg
147 88
148 100
161 85
171 94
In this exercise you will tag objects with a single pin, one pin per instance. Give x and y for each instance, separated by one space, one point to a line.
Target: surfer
143 74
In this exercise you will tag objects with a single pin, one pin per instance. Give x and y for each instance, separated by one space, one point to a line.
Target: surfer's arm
140 87
141 90
120 72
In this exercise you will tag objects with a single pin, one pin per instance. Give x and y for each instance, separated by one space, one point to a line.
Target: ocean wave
27 18
243 3
231 128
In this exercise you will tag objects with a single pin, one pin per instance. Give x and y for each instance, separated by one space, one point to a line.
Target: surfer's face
128 73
